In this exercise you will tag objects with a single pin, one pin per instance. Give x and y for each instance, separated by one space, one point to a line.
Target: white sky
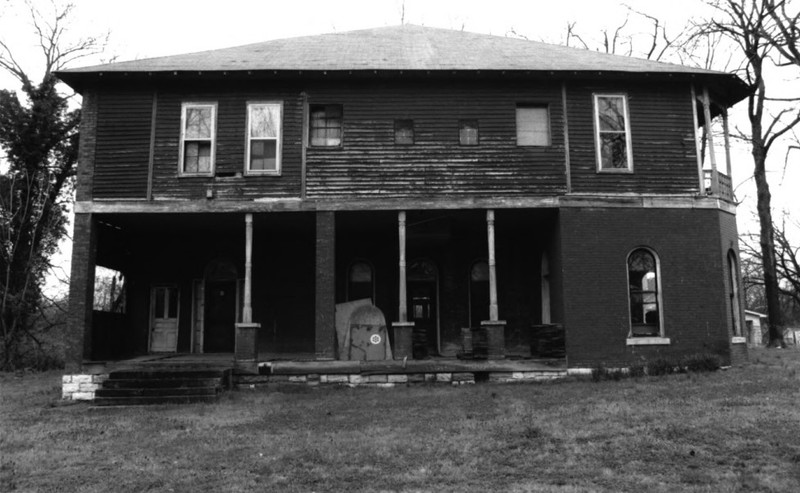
148 28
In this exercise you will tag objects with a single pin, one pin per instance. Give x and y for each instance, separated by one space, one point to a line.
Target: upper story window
404 131
533 125
198 131
325 125
264 138
468 132
612 133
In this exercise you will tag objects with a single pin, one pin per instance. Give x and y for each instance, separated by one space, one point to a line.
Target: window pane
533 126
160 301
325 125
265 120
613 151
361 272
199 121
611 113
263 154
197 157
173 302
468 132
403 131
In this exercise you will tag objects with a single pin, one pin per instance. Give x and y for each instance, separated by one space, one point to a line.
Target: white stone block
398 378
333 378
297 378
83 396
66 379
357 379
81 379
70 387
88 387
444 377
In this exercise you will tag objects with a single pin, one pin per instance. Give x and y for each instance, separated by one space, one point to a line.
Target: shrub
702 362
660 366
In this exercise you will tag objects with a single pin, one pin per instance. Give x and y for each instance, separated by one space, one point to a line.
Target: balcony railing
721 187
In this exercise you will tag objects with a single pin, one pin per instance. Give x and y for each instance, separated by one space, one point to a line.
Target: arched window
360 281
644 288
733 280
478 293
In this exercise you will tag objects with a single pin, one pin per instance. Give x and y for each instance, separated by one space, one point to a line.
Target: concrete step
137 387
155 392
156 383
150 400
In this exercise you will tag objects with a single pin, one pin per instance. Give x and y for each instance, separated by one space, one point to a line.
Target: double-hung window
264 138
198 131
612 133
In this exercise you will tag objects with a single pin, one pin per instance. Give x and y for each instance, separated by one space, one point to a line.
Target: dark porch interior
447 287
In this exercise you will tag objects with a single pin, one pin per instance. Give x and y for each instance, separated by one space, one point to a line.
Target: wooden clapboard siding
230 145
122 147
664 159
369 163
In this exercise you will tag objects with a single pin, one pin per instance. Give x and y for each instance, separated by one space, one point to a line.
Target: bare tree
38 134
749 25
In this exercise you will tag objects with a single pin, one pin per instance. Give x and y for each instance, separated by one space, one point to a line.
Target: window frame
533 105
278 141
213 139
462 123
311 109
660 338
597 132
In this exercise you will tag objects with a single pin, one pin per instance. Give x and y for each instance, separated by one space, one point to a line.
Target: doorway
220 317
423 296
164 301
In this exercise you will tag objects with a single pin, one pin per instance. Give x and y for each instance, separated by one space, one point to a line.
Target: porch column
246 351
403 329
247 310
727 136
710 140
81 292
325 288
495 328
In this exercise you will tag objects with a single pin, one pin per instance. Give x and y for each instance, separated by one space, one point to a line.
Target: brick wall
81 291
595 245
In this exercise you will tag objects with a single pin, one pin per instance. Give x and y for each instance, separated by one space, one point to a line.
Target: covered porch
193 284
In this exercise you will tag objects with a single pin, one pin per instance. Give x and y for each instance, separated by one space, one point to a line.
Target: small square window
404 132
468 132
533 125
325 125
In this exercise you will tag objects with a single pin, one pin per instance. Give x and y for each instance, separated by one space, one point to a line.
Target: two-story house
454 180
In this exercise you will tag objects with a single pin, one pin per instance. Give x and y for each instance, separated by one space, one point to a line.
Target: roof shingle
405 47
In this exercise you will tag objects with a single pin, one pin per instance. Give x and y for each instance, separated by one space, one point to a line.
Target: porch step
161 386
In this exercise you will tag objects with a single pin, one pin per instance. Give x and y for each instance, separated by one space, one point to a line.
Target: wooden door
164 303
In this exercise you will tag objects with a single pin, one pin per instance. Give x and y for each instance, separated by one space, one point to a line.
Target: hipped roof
407 48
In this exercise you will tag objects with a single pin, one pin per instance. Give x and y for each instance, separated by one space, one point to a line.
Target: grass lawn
734 430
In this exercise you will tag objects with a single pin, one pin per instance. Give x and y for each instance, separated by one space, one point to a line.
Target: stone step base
391 380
